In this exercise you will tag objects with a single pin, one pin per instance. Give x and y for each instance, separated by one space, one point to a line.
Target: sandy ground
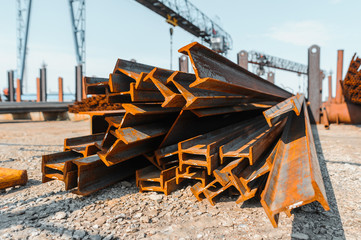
46 211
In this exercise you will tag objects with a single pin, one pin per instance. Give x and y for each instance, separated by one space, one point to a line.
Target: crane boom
184 14
274 62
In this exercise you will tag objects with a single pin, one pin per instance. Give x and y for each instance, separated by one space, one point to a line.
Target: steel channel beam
279 111
155 180
192 173
295 179
204 112
94 175
215 72
95 85
131 68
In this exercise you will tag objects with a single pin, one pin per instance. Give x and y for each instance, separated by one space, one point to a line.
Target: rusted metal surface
204 112
86 145
18 90
280 111
295 178
155 180
192 173
339 96
215 72
12 177
351 85
60 92
95 85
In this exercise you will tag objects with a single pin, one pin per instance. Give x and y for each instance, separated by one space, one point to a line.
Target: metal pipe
18 90
11 91
38 90
329 89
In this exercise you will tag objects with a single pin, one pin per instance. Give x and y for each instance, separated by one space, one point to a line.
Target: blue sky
125 29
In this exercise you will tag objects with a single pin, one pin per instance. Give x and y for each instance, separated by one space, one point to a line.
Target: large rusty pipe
339 95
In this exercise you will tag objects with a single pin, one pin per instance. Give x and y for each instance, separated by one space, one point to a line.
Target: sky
126 29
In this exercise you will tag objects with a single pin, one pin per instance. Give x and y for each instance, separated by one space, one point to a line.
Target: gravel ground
46 211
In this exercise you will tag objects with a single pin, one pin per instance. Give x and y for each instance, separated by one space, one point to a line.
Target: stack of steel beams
223 129
351 85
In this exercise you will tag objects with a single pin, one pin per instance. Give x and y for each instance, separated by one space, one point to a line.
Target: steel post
43 94
271 77
60 92
339 95
329 89
78 82
242 59
18 90
38 90
183 63
11 90
314 82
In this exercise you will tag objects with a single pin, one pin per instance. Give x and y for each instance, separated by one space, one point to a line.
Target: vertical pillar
314 82
329 89
242 59
339 95
18 90
60 92
38 90
83 88
183 63
78 82
11 90
271 77
43 94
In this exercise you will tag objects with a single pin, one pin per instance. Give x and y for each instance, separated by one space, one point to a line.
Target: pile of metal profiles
223 129
351 85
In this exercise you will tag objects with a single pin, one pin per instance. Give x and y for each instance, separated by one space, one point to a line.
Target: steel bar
95 85
193 173
93 175
339 96
200 98
252 143
159 77
119 82
59 166
60 91
204 112
18 90
167 157
295 178
280 111
11 88
215 72
131 68
12 177
155 180
86 145
203 150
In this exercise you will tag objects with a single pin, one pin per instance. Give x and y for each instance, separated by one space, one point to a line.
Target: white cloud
303 33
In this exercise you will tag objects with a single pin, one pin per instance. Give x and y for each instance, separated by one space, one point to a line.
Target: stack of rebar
351 85
223 129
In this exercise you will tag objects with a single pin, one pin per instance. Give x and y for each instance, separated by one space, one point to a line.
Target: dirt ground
46 211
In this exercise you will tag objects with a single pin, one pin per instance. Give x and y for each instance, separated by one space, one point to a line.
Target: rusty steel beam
94 175
12 177
215 72
59 166
203 150
98 124
280 111
200 98
131 68
295 179
192 173
95 85
86 145
167 156
154 180
119 82
171 95
204 112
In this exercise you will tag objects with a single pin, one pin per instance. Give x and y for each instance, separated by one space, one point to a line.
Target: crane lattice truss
184 14
264 60
23 21
77 14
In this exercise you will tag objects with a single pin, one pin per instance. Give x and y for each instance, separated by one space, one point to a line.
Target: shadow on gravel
41 217
341 162
312 219
31 145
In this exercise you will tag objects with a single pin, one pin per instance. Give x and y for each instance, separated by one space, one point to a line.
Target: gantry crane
184 14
